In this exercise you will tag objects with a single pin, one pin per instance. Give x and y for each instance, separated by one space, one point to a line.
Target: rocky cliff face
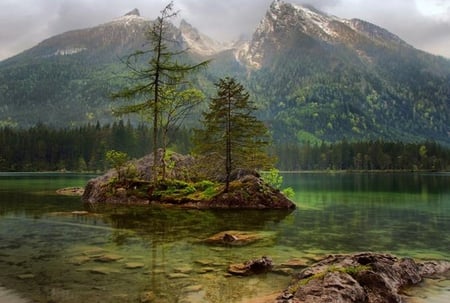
285 21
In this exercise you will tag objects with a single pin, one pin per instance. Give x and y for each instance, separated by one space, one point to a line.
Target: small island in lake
132 183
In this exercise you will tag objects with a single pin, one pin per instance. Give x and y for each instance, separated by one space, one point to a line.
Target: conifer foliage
232 137
160 88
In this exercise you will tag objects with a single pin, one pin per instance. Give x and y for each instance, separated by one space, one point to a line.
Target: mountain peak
198 42
134 12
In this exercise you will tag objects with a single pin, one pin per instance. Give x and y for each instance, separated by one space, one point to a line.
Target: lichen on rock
361 277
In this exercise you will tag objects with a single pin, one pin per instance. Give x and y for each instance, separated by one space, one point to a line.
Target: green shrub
203 185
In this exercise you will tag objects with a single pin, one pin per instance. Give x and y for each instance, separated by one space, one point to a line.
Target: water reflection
115 254
167 225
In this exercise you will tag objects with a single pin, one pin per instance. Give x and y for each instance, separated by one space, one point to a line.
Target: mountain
314 76
67 79
320 77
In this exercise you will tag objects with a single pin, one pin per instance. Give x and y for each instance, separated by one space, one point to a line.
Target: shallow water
49 254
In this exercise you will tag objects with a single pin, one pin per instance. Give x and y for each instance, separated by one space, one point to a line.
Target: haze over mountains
313 76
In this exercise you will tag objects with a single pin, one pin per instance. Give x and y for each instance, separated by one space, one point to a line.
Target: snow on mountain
284 20
280 19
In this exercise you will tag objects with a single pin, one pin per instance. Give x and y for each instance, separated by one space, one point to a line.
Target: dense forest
43 148
367 155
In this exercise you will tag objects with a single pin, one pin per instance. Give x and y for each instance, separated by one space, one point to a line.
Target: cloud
25 23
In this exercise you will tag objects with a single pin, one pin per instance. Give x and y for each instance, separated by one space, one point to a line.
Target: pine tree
163 73
232 136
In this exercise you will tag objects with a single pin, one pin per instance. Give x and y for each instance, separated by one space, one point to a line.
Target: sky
425 24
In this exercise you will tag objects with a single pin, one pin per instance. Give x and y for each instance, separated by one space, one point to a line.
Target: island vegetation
231 145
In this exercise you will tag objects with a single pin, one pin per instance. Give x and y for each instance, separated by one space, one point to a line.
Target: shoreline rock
359 278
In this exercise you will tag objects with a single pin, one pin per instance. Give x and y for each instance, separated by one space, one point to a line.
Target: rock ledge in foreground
362 278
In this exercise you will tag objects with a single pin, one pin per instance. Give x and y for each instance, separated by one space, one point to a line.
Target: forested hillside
315 78
42 148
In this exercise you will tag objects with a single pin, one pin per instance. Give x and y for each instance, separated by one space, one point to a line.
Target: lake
50 251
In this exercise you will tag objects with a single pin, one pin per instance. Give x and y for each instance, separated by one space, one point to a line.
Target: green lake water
49 254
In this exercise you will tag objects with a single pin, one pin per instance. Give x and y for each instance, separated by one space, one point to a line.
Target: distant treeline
371 155
43 148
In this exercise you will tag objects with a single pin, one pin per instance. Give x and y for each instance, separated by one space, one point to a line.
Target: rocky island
183 187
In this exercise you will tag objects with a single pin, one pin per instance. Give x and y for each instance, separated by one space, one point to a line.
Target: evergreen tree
162 73
232 137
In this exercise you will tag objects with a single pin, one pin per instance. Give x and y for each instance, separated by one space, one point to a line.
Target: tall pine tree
232 137
152 82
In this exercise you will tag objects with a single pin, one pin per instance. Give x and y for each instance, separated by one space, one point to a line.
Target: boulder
233 237
256 266
362 278
250 192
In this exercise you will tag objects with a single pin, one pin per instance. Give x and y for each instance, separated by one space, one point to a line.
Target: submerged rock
108 258
362 277
233 237
256 266
70 191
134 265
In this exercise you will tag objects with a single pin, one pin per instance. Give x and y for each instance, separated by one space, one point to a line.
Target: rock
71 191
183 269
251 267
228 238
147 297
100 270
107 258
79 260
80 212
429 269
205 270
295 263
193 288
270 298
94 252
134 265
233 237
362 277
251 192
26 276
177 276
204 262
134 12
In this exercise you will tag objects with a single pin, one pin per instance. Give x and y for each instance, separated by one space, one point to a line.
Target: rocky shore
359 278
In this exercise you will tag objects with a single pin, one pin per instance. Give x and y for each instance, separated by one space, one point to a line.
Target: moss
204 185
350 270
294 288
